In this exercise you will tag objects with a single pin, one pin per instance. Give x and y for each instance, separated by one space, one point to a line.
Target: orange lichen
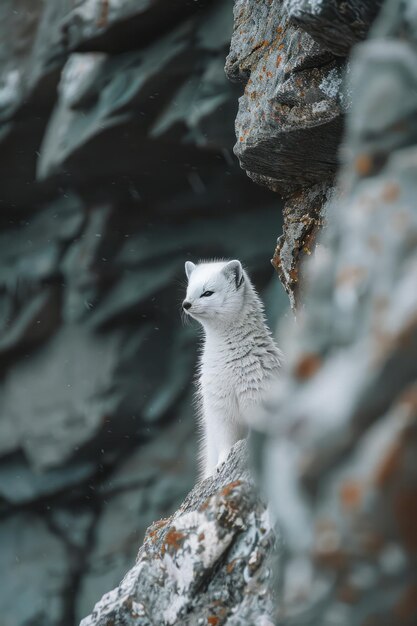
212 620
350 275
351 494
307 366
390 192
227 490
205 505
156 527
260 45
276 261
388 466
294 274
363 164
173 540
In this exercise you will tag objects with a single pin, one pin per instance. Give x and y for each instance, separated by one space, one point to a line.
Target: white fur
239 360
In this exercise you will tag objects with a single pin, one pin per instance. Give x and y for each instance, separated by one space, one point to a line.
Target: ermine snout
186 305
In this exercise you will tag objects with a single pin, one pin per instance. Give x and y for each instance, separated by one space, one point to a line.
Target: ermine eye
206 294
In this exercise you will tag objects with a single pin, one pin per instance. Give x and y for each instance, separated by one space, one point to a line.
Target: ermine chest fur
239 361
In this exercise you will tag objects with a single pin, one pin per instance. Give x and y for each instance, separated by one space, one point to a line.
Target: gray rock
199 565
336 25
105 98
27 546
95 92
57 399
18 26
21 484
289 122
338 463
145 487
126 115
304 216
93 25
29 268
290 100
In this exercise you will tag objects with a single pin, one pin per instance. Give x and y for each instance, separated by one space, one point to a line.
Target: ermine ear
189 268
234 272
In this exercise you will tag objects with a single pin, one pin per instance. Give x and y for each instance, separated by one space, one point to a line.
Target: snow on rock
207 564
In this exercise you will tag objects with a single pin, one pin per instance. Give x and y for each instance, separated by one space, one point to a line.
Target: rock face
290 118
209 563
114 119
116 129
336 25
342 433
337 449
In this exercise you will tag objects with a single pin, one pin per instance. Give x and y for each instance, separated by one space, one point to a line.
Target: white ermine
239 361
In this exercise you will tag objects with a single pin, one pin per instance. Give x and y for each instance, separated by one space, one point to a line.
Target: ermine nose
186 305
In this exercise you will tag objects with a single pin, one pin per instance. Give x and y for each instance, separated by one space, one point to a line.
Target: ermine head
215 291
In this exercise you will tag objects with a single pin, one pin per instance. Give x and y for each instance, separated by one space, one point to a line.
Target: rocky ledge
209 563
290 56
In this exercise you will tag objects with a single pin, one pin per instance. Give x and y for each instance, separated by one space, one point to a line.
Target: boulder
209 563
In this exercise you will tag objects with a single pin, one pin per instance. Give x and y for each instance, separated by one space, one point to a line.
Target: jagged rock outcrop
290 118
335 24
209 563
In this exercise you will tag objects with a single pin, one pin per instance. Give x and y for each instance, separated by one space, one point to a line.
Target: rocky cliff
115 159
336 447
291 58
209 563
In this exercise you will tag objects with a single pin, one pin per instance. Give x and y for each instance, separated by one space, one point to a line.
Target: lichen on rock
209 563
290 119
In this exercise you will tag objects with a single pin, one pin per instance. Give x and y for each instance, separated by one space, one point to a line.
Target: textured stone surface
339 463
337 450
203 564
304 216
335 24
290 55
115 167
290 99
